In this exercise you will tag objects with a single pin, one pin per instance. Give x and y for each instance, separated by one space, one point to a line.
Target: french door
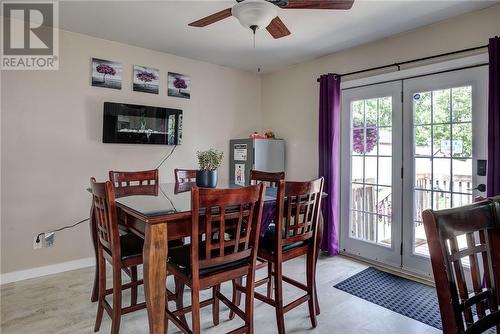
408 146
371 159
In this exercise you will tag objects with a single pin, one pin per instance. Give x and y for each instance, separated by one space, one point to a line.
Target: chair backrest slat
232 220
135 183
104 205
468 232
185 175
301 203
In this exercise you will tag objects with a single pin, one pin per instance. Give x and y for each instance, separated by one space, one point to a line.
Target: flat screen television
138 124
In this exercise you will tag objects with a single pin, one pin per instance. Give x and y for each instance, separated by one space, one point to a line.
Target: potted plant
208 161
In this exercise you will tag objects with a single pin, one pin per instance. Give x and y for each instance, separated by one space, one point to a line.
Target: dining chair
298 213
271 180
135 183
211 260
121 251
185 180
468 295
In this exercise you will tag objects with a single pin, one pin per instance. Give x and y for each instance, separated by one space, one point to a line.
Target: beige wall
290 97
51 138
51 124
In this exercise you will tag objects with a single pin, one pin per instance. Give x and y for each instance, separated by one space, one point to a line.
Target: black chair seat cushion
131 245
180 257
267 241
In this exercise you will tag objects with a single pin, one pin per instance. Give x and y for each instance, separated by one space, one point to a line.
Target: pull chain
254 29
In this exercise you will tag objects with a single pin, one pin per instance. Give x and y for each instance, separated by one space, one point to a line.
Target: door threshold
390 269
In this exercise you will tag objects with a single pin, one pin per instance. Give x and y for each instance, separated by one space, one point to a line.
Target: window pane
385 111
357 196
441 174
356 224
442 143
462 175
441 106
370 198
423 141
422 108
357 169
461 104
462 140
423 173
384 230
384 201
385 141
371 112
422 202
371 140
371 170
357 108
441 200
461 200
385 171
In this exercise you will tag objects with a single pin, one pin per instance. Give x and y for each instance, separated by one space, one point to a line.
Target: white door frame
477 77
389 255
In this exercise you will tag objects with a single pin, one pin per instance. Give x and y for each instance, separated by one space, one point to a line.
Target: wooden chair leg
179 298
249 301
117 299
278 298
236 296
270 279
215 305
311 291
195 309
316 299
101 288
133 290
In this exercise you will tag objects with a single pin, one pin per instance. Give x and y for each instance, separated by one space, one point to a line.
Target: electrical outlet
49 239
37 244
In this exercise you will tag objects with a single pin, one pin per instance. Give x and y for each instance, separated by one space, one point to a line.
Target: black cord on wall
86 219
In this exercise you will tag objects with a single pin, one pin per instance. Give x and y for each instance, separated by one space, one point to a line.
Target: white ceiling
163 26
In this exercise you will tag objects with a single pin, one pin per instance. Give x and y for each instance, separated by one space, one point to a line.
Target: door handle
480 187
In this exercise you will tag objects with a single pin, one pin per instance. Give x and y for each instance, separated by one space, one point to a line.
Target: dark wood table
158 219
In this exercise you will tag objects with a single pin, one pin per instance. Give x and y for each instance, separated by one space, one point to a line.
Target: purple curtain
329 153
493 178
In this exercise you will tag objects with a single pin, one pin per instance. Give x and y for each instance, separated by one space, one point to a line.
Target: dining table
159 217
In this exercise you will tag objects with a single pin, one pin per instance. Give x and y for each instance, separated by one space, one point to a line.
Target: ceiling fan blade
212 18
319 4
277 28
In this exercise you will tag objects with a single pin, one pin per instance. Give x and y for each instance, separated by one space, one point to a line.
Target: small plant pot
206 178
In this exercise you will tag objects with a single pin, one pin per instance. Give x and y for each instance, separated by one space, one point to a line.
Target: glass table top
171 200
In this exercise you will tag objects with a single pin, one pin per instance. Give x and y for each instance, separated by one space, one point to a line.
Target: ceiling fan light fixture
254 13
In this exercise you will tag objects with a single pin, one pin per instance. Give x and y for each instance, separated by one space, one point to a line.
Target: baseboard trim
21 275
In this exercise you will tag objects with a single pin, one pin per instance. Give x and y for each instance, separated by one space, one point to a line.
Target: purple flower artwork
146 79
179 85
107 74
358 138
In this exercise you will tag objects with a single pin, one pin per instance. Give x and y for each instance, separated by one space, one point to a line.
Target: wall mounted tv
137 124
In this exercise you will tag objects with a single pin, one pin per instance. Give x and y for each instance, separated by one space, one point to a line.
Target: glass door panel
439 158
369 116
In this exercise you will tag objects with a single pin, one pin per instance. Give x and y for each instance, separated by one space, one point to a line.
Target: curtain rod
413 61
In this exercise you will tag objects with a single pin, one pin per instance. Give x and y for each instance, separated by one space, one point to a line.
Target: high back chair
224 239
135 183
472 232
294 234
271 179
185 179
121 252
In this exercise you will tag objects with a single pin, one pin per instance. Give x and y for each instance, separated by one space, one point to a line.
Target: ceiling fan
255 14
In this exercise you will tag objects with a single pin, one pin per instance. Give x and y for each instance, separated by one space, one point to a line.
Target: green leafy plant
210 159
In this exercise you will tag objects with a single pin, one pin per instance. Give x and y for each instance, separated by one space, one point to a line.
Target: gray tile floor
60 304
